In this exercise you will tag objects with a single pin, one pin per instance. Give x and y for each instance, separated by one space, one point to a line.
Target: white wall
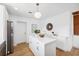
62 26
1 23
28 21
3 18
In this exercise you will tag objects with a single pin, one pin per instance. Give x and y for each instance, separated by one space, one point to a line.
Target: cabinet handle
37 48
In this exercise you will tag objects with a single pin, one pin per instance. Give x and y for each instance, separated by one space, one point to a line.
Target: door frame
15 22
25 28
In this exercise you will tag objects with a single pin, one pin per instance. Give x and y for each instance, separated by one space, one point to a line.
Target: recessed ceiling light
15 8
30 12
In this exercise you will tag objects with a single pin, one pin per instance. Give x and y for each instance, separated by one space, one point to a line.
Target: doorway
76 29
20 32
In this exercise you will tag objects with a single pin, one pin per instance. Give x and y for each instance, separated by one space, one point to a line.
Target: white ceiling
47 9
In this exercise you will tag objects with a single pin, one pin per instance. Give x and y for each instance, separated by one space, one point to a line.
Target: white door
20 32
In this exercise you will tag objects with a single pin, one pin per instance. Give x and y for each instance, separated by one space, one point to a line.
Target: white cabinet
42 46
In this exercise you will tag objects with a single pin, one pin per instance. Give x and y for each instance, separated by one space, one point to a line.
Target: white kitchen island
42 46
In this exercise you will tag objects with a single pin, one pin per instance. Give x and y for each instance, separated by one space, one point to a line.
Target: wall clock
49 26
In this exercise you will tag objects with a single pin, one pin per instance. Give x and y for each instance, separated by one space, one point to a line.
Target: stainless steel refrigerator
9 43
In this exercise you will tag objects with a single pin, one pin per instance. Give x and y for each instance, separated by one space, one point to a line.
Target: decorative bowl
41 35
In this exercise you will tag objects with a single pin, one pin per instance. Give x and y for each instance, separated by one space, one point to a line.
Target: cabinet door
32 45
39 49
50 49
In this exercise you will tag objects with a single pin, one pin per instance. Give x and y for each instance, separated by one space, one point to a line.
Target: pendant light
37 14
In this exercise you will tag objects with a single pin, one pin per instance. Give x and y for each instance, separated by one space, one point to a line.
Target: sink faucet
54 34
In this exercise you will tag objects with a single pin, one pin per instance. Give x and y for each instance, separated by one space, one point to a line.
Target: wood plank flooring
73 52
23 50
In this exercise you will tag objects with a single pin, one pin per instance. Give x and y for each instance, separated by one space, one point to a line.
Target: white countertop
44 40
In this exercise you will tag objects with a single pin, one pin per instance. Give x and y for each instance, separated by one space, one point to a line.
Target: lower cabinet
32 46
40 49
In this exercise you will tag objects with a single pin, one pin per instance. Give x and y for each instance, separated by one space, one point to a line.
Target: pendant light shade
37 14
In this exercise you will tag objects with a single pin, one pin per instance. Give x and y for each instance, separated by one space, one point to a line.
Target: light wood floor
73 52
23 50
